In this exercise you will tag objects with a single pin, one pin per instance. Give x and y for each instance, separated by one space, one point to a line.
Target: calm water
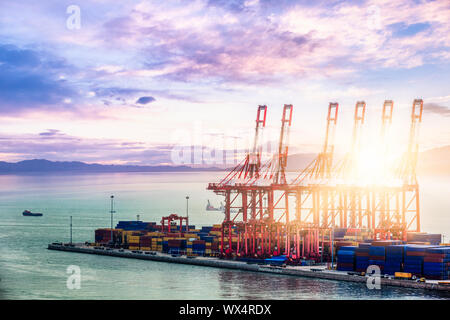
29 271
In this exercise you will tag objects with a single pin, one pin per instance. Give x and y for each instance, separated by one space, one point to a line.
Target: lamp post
332 246
70 229
187 213
112 211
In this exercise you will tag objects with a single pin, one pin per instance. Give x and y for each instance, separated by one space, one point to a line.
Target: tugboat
28 213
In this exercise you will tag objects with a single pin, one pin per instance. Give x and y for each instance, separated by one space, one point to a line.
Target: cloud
29 79
145 100
50 133
437 109
262 42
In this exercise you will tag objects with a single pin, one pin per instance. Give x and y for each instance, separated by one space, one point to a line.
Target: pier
318 272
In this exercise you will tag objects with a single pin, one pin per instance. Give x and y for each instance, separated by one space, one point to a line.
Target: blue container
377 251
348 248
380 263
277 262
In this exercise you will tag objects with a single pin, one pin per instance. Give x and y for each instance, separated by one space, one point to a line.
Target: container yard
326 222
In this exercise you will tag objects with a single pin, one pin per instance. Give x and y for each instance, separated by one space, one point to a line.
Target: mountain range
433 161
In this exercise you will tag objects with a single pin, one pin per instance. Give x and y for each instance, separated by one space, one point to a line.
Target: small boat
28 213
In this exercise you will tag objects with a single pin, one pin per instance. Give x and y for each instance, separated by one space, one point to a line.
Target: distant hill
41 165
299 161
433 161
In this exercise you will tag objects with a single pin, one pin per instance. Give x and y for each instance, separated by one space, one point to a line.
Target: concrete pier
319 272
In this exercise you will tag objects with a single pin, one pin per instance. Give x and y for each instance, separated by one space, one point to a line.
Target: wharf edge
237 265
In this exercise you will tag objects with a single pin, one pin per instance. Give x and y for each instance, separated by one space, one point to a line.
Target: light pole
187 213
70 229
332 246
112 211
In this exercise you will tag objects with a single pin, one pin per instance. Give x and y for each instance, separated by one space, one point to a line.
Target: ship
210 207
28 213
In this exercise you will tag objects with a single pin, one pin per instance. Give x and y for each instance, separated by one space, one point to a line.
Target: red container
428 259
362 254
345 264
384 243
415 253
174 243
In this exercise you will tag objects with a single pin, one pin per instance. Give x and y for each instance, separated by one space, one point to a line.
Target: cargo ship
28 213
210 207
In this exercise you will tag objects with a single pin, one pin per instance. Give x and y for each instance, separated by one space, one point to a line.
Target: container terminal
328 222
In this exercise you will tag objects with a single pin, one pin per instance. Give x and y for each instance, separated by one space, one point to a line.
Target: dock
318 272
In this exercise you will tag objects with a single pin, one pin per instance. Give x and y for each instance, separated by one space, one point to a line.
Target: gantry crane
327 195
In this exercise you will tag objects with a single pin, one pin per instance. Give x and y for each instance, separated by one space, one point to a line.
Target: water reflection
252 285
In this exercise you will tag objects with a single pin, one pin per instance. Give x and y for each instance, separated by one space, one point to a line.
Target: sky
126 82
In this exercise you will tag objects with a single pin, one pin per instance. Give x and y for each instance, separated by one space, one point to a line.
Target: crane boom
286 121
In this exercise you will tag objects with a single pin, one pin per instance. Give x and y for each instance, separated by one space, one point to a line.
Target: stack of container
136 226
176 245
206 229
104 236
346 258
340 244
362 257
339 233
133 242
216 230
176 228
436 263
427 238
145 243
414 256
394 259
156 244
377 255
199 247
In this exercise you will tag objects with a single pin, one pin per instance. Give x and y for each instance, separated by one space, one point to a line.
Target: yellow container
154 234
146 248
403 275
133 248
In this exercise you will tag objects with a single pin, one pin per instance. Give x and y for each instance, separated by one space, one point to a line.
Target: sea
28 270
